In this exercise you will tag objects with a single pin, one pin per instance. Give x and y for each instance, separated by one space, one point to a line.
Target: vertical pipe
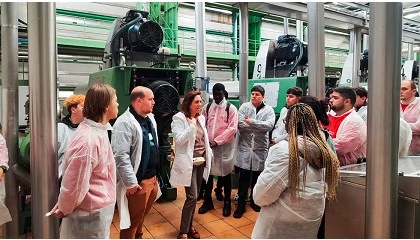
286 25
9 67
365 42
356 56
43 111
243 52
299 29
410 52
200 36
384 89
316 49
235 32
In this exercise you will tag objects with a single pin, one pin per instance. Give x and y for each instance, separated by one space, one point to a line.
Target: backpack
227 110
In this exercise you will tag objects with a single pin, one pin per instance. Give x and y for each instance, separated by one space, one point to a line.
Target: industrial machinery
279 65
409 71
133 57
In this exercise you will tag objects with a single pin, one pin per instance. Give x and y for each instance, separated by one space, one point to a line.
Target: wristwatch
4 169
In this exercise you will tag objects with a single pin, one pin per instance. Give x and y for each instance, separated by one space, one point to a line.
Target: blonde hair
301 120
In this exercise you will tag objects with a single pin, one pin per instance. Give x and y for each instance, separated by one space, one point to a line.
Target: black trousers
226 184
245 177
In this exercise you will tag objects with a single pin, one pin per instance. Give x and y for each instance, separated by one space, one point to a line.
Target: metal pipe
43 111
365 42
286 25
410 52
383 113
356 56
243 52
200 36
9 65
411 10
299 30
316 49
235 32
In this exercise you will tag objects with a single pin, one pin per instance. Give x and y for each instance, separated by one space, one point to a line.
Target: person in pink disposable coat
222 125
88 190
347 128
410 111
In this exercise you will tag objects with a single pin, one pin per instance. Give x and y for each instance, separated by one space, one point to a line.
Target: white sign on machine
271 93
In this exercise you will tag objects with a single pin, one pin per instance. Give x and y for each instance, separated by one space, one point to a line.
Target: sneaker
219 195
239 212
236 197
207 206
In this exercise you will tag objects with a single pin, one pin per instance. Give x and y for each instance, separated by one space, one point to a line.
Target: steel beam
243 52
383 113
43 113
9 67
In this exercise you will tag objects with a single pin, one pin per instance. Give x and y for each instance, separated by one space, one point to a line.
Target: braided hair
301 121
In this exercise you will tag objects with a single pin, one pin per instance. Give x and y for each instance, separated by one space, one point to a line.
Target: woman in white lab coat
291 190
4 159
191 142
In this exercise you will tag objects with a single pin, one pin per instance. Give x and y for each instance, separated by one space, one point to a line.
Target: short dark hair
258 88
136 94
218 87
186 103
361 91
297 91
98 98
320 108
347 93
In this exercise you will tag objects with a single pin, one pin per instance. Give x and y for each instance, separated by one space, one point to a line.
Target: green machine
275 89
279 65
133 57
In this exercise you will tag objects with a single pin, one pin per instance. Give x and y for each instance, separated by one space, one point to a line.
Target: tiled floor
164 218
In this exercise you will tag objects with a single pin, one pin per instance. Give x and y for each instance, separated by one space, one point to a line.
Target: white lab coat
280 216
279 131
405 138
184 138
4 159
363 113
127 142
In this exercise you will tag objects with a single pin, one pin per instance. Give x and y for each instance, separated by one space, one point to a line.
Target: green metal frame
255 23
170 17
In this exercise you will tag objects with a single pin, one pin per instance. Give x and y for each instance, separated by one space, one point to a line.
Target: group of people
290 174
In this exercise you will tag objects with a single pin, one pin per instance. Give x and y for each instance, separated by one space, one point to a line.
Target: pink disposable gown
350 141
88 189
411 115
222 131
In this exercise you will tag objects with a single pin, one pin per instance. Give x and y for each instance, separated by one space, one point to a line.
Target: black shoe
207 206
255 207
240 210
227 209
219 195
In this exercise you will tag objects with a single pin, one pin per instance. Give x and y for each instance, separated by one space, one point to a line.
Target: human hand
1 174
131 191
57 212
213 144
248 120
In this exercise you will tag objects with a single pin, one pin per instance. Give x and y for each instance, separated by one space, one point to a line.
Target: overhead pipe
316 49
42 116
286 25
243 52
10 97
200 36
